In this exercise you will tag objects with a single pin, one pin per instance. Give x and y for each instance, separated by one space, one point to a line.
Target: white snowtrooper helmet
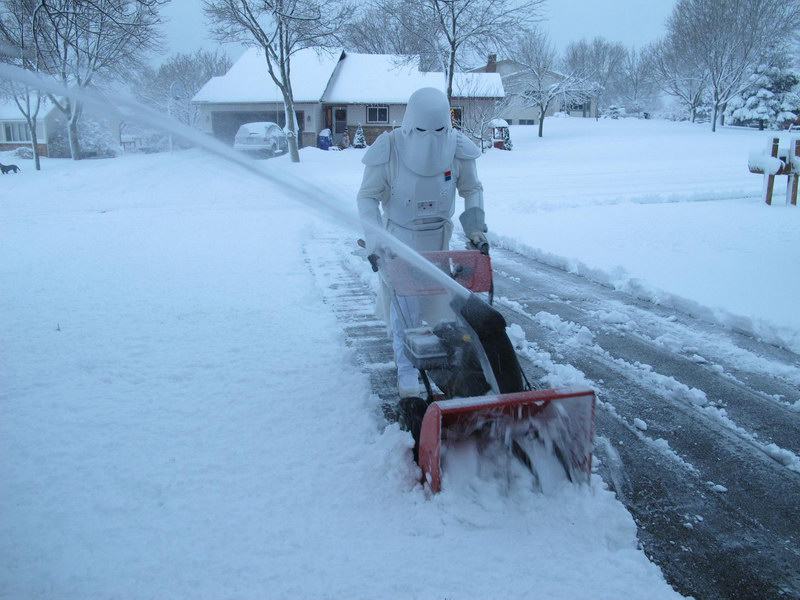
427 110
426 141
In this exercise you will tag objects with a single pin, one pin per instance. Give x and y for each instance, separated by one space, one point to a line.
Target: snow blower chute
473 380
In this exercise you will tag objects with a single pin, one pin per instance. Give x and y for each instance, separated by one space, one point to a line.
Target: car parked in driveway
262 138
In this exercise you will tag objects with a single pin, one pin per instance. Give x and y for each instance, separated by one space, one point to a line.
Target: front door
339 123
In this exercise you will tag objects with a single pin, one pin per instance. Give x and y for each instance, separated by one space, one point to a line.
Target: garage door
226 124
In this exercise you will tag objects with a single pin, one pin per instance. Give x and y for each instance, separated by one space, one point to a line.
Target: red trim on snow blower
519 406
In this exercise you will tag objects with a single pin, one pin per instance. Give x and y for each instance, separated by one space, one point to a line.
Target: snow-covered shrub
704 113
634 109
97 139
24 152
359 141
614 112
57 144
561 115
674 113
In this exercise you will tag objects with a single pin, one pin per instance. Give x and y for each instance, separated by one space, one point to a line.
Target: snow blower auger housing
461 346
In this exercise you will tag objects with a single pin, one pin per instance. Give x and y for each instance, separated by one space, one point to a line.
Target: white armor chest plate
418 202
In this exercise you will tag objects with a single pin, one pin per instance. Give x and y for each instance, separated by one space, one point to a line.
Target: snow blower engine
474 384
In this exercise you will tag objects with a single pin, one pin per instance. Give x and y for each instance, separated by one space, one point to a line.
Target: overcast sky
632 22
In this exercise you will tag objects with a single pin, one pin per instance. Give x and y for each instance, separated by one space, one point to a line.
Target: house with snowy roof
14 130
51 129
517 111
336 90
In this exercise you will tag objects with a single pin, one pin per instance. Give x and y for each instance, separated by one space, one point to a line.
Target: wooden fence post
769 180
791 185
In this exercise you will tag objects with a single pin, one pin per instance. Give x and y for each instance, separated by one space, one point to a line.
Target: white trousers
406 317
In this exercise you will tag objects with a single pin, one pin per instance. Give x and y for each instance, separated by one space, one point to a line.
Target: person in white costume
411 176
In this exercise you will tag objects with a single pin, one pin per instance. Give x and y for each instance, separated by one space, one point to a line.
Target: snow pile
571 333
179 416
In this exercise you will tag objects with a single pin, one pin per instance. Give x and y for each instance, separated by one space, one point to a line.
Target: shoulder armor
378 153
466 148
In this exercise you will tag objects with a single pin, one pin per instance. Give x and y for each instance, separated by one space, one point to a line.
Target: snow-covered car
262 137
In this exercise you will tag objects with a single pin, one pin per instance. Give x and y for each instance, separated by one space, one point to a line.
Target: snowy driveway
180 417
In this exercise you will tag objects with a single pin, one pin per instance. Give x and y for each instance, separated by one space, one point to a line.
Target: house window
456 114
377 114
17 132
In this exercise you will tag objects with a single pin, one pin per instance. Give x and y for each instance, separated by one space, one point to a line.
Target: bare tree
282 28
479 107
387 29
538 83
636 86
83 42
600 62
452 30
16 31
186 73
726 38
679 75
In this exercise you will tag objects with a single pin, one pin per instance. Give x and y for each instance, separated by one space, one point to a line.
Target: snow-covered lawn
667 211
179 415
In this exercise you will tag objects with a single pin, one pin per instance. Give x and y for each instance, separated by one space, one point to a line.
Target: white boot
407 382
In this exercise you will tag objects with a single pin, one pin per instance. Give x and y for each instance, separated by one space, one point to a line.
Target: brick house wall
371 132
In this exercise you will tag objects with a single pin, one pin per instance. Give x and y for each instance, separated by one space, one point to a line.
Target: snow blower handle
372 258
478 241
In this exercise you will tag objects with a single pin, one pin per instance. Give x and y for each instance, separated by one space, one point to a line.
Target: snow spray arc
307 194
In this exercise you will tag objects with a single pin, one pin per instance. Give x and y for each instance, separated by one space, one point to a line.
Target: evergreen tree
359 141
770 97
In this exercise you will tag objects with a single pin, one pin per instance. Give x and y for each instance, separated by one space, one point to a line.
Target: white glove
472 220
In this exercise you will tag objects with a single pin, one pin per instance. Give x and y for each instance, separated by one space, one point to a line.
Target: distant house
14 130
332 90
512 73
51 131
247 94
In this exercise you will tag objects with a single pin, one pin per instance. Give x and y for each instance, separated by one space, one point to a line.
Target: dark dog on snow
9 168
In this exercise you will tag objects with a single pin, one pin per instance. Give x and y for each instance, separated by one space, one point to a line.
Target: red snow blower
474 383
